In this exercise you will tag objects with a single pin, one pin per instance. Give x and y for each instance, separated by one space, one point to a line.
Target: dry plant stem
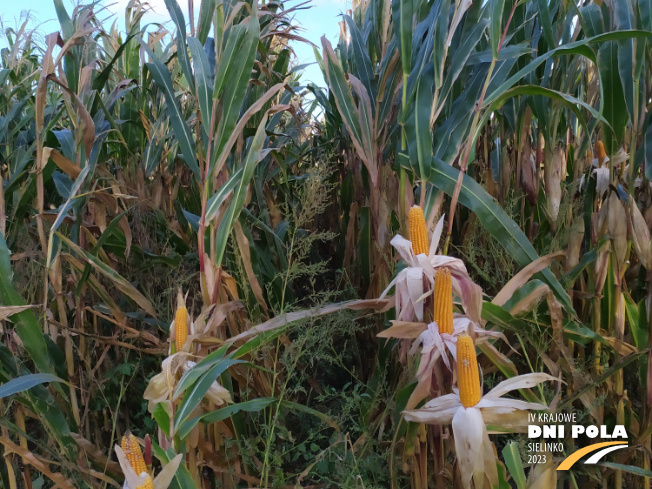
206 178
8 456
647 412
20 422
469 144
401 203
619 388
597 351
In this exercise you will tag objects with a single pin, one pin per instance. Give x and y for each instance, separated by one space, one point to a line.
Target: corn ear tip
181 300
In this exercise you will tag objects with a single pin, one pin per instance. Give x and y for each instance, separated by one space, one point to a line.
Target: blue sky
322 18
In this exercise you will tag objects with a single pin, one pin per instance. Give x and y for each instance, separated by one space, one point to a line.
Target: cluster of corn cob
467 362
463 409
443 290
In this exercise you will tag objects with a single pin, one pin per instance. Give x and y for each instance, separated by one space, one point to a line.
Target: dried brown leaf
522 277
39 464
245 254
7 311
640 235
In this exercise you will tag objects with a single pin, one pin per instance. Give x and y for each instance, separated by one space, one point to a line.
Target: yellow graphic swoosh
574 457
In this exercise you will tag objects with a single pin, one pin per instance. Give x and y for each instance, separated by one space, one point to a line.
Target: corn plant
194 261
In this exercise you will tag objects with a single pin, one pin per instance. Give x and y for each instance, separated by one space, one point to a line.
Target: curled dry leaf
543 475
245 254
7 311
617 228
554 174
574 244
529 174
95 453
530 301
523 276
68 167
640 235
29 458
602 266
380 305
403 329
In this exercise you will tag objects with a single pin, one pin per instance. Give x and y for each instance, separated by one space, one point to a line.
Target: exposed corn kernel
467 371
601 153
418 231
443 301
134 454
180 322
149 484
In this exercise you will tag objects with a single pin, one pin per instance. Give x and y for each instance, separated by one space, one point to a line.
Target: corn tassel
601 153
418 231
467 371
443 301
180 322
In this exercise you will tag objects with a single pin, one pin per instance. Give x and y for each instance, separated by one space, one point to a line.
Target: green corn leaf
343 98
422 135
612 96
162 418
182 50
648 152
496 221
632 469
546 22
181 130
191 376
26 323
233 76
204 84
102 78
404 19
364 70
495 29
221 414
570 102
512 458
120 282
67 26
206 12
216 200
197 392
182 479
578 47
254 155
439 40
591 19
25 382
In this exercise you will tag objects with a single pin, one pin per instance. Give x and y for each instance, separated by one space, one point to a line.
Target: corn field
215 273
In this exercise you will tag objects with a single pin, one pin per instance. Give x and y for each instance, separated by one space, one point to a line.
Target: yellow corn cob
134 454
443 301
180 322
601 153
149 484
467 371
418 232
